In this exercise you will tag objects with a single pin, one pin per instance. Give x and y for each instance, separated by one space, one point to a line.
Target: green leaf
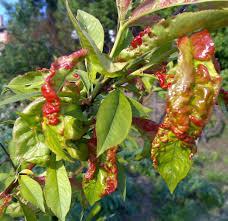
28 140
149 6
27 83
113 121
54 140
8 99
93 27
173 163
94 188
138 110
125 40
58 189
31 191
14 210
101 62
28 213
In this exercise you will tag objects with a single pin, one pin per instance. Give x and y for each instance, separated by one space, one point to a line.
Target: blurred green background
39 31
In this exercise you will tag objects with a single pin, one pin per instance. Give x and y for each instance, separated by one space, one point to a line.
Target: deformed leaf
173 163
122 7
94 188
31 191
113 121
150 6
93 27
58 189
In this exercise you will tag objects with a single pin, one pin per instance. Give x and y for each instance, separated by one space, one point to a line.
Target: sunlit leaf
113 121
31 191
57 189
93 27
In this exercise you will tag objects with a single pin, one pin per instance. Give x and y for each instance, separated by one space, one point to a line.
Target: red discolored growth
148 126
110 167
196 121
163 78
203 46
203 72
224 94
51 108
92 161
137 41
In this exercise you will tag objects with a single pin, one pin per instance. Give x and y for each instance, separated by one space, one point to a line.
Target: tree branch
8 156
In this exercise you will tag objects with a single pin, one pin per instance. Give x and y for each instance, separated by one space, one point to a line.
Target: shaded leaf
113 121
28 213
122 181
31 191
8 99
138 110
57 189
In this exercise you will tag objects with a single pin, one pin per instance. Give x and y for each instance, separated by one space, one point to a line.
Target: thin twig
10 160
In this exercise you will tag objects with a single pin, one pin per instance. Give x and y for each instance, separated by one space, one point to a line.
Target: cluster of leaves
92 124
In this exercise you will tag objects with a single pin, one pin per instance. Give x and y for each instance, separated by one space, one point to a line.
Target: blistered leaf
58 189
94 188
113 121
174 28
93 27
173 163
168 30
149 6
31 191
